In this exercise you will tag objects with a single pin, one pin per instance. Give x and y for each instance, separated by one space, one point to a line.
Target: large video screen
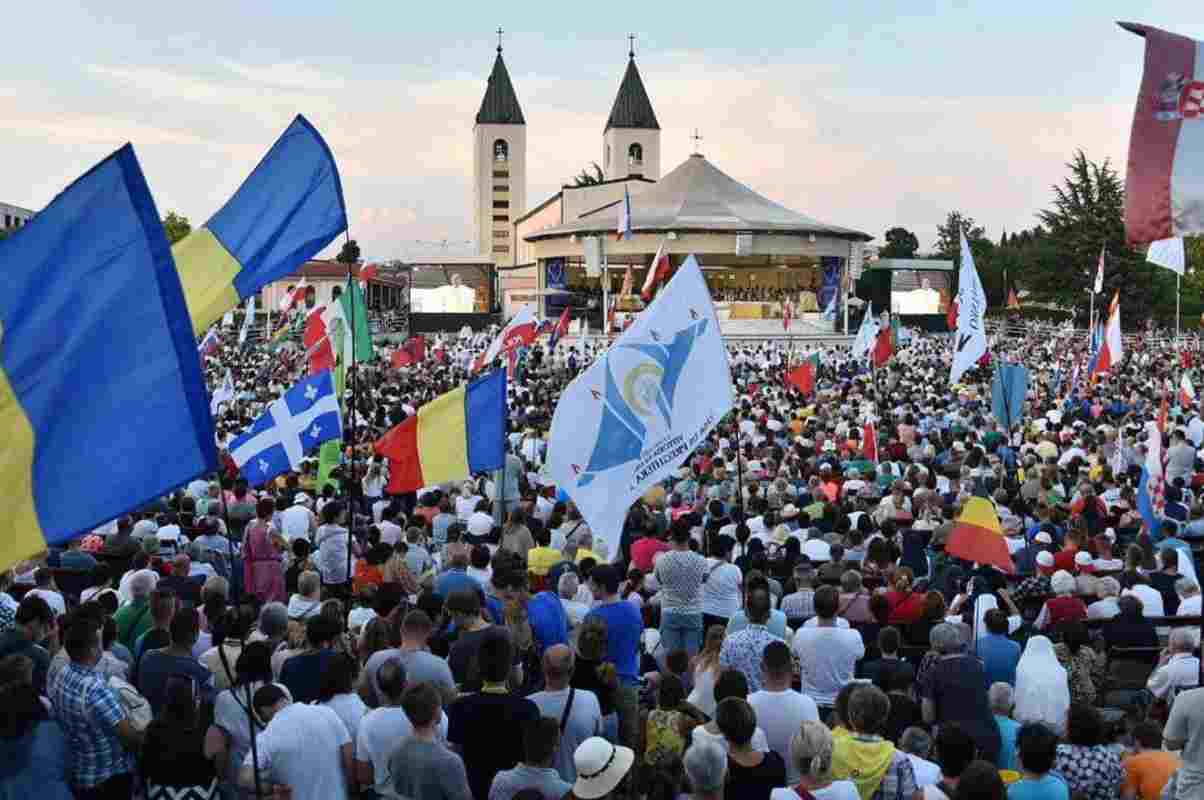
919 291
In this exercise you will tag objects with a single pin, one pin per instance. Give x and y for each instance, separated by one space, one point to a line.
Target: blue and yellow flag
102 403
286 211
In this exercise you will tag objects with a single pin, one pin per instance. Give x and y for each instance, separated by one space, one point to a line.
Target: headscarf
1042 686
982 604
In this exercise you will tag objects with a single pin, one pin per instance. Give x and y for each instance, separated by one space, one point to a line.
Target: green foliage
350 254
900 243
948 236
176 226
586 178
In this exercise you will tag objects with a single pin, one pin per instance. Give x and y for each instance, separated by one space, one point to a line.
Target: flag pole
1178 291
354 403
605 290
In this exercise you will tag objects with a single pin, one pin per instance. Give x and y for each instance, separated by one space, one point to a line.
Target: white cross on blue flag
306 416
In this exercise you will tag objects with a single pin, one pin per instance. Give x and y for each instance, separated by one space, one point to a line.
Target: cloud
287 75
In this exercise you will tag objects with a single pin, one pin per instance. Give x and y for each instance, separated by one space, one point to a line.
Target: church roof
632 108
697 196
500 105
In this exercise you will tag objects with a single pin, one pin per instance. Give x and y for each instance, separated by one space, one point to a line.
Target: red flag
977 536
1013 299
412 352
561 329
293 298
658 272
951 315
884 345
803 376
869 442
368 273
511 363
317 343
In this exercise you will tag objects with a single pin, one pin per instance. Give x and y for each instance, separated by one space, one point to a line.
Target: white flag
643 406
247 321
222 394
1168 253
1099 272
866 334
970 343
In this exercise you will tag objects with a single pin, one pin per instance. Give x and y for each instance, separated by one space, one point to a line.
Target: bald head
558 666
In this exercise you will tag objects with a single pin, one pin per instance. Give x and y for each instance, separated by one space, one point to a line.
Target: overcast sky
862 114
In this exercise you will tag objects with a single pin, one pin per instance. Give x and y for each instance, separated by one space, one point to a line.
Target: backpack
137 708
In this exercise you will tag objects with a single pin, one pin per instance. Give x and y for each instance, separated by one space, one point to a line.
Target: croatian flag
658 273
293 298
624 230
1150 492
1111 351
520 330
560 331
306 416
1164 197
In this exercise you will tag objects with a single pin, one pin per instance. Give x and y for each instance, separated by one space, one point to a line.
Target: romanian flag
454 436
91 379
288 209
803 376
977 536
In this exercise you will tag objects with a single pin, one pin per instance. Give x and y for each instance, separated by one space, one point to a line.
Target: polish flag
1166 146
658 272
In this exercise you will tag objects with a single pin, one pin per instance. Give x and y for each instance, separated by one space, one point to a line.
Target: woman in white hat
601 767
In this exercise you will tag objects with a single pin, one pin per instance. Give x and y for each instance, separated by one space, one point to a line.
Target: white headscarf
1042 686
984 603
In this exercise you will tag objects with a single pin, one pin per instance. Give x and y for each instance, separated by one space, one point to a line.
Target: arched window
635 155
501 150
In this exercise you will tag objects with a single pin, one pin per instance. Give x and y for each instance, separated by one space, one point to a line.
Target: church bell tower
499 165
631 142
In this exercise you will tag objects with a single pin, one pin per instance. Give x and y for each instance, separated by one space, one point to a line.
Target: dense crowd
779 619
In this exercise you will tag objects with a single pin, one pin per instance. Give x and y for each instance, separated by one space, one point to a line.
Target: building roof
500 105
632 108
321 269
698 197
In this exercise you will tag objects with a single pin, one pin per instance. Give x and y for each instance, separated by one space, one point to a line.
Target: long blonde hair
708 658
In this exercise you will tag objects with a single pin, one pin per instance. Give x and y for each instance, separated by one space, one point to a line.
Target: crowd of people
779 619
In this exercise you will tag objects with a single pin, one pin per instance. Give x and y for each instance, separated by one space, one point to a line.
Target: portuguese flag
803 376
977 536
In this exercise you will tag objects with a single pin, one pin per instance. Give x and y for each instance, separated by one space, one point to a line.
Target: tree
948 236
900 243
176 226
588 179
350 254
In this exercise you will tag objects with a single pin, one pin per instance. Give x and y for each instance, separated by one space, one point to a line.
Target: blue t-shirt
623 628
157 666
1009 729
548 621
37 764
456 580
1049 787
999 656
776 625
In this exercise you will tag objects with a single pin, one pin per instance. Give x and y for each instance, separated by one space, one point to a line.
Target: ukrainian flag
288 209
102 403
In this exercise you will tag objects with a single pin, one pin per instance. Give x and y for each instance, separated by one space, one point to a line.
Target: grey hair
567 585
1182 640
945 639
309 582
705 764
273 620
916 741
1108 587
1062 582
813 743
1186 587
1001 697
141 584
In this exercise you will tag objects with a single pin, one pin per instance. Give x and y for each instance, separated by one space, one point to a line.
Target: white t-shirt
301 747
927 773
379 733
836 790
465 506
759 741
827 657
721 595
389 532
1151 600
780 714
53 599
295 522
351 710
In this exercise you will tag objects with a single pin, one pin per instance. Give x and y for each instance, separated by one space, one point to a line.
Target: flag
624 229
1008 390
1099 271
628 282
455 436
866 335
318 348
803 376
970 341
210 343
222 394
368 273
560 331
1150 489
1013 300
787 315
658 273
294 424
1187 393
1163 197
830 309
228 319
330 456
520 330
1164 413
643 406
977 536
353 315
412 352
1168 253
1111 351
247 320
285 212
511 364
884 342
102 400
869 441
951 315
293 298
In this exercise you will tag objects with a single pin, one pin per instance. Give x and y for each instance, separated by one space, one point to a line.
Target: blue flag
1008 390
1145 504
103 407
293 425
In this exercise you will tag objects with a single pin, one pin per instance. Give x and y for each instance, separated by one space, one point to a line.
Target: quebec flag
641 409
306 416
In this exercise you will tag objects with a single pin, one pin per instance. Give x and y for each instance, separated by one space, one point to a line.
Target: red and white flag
658 273
787 315
1163 196
318 348
368 273
1187 393
1112 351
869 442
520 330
294 298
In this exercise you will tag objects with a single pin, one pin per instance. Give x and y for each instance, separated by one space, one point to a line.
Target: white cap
1043 537
1045 559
